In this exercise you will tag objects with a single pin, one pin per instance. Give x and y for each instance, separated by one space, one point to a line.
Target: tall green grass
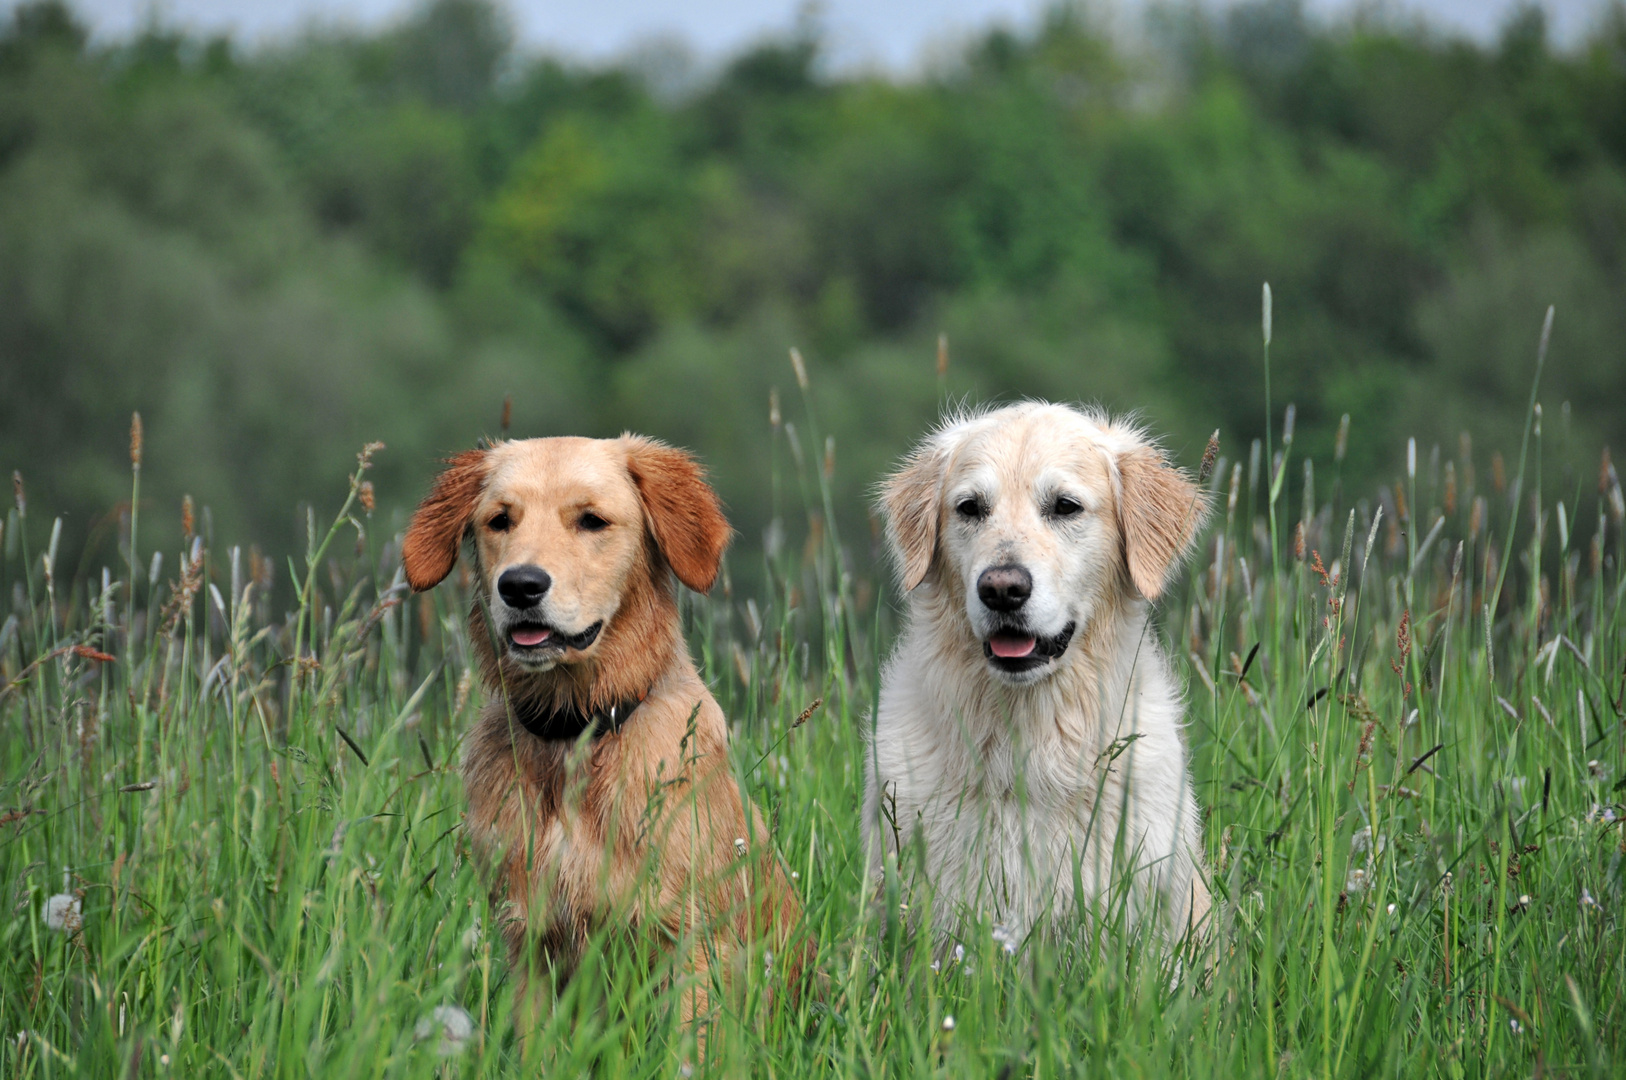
1406 728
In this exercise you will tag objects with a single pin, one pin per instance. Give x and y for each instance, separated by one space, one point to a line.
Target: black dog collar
569 724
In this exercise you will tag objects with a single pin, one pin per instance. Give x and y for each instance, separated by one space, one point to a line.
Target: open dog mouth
534 638
1014 650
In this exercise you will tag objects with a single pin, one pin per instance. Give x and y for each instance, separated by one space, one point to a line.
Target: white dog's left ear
1160 509
909 499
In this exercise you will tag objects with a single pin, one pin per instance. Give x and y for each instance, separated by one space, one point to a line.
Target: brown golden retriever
598 781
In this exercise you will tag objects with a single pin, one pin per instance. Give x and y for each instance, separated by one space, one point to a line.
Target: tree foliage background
278 253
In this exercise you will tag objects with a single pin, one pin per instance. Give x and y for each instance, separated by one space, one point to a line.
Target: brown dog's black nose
523 586
1004 588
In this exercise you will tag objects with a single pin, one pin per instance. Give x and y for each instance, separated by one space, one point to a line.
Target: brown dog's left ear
1160 509
684 513
436 533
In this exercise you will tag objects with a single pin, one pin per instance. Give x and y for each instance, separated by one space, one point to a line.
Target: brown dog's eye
499 523
1066 506
591 522
969 508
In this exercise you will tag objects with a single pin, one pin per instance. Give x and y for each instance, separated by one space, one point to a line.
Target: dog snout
523 586
1004 588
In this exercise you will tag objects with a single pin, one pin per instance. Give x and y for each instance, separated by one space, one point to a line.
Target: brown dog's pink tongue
1010 647
528 636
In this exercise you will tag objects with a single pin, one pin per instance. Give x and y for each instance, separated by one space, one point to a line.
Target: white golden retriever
1029 728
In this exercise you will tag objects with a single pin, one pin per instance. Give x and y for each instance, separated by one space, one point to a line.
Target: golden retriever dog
598 781
1028 735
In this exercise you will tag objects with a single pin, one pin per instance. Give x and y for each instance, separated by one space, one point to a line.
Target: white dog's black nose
1004 588
523 586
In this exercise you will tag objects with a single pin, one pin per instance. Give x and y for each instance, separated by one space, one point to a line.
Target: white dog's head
1031 518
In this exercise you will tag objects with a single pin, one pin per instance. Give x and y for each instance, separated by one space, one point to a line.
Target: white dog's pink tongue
527 636
1010 647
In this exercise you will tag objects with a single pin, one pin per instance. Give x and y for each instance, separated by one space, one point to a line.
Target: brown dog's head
1034 518
568 533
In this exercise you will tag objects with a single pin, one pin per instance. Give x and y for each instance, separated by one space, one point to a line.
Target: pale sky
890 33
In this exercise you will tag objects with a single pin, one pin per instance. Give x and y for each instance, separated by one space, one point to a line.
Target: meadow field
229 806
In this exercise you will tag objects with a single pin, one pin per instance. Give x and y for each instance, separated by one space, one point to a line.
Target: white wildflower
62 912
740 846
959 954
1362 841
795 875
456 1028
1391 909
685 1070
1518 1028
1524 901
1007 938
1586 898
1594 769
948 1022
471 936
1356 882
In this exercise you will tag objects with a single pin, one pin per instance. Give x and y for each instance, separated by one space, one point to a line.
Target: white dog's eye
1065 506
969 508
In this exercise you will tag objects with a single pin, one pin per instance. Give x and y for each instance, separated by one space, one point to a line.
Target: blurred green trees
279 254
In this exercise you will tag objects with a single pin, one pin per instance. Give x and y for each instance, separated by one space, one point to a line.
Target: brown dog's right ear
436 533
910 497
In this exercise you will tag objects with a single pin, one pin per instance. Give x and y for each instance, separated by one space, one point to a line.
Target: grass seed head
18 493
1210 452
135 440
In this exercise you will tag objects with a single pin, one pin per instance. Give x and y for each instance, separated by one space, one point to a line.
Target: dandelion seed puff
948 1022
63 913
456 1028
1356 882
739 846
685 1070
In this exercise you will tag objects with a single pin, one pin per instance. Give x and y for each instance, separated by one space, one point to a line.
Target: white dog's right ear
910 498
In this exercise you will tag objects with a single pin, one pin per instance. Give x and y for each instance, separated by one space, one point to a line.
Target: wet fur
1032 801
